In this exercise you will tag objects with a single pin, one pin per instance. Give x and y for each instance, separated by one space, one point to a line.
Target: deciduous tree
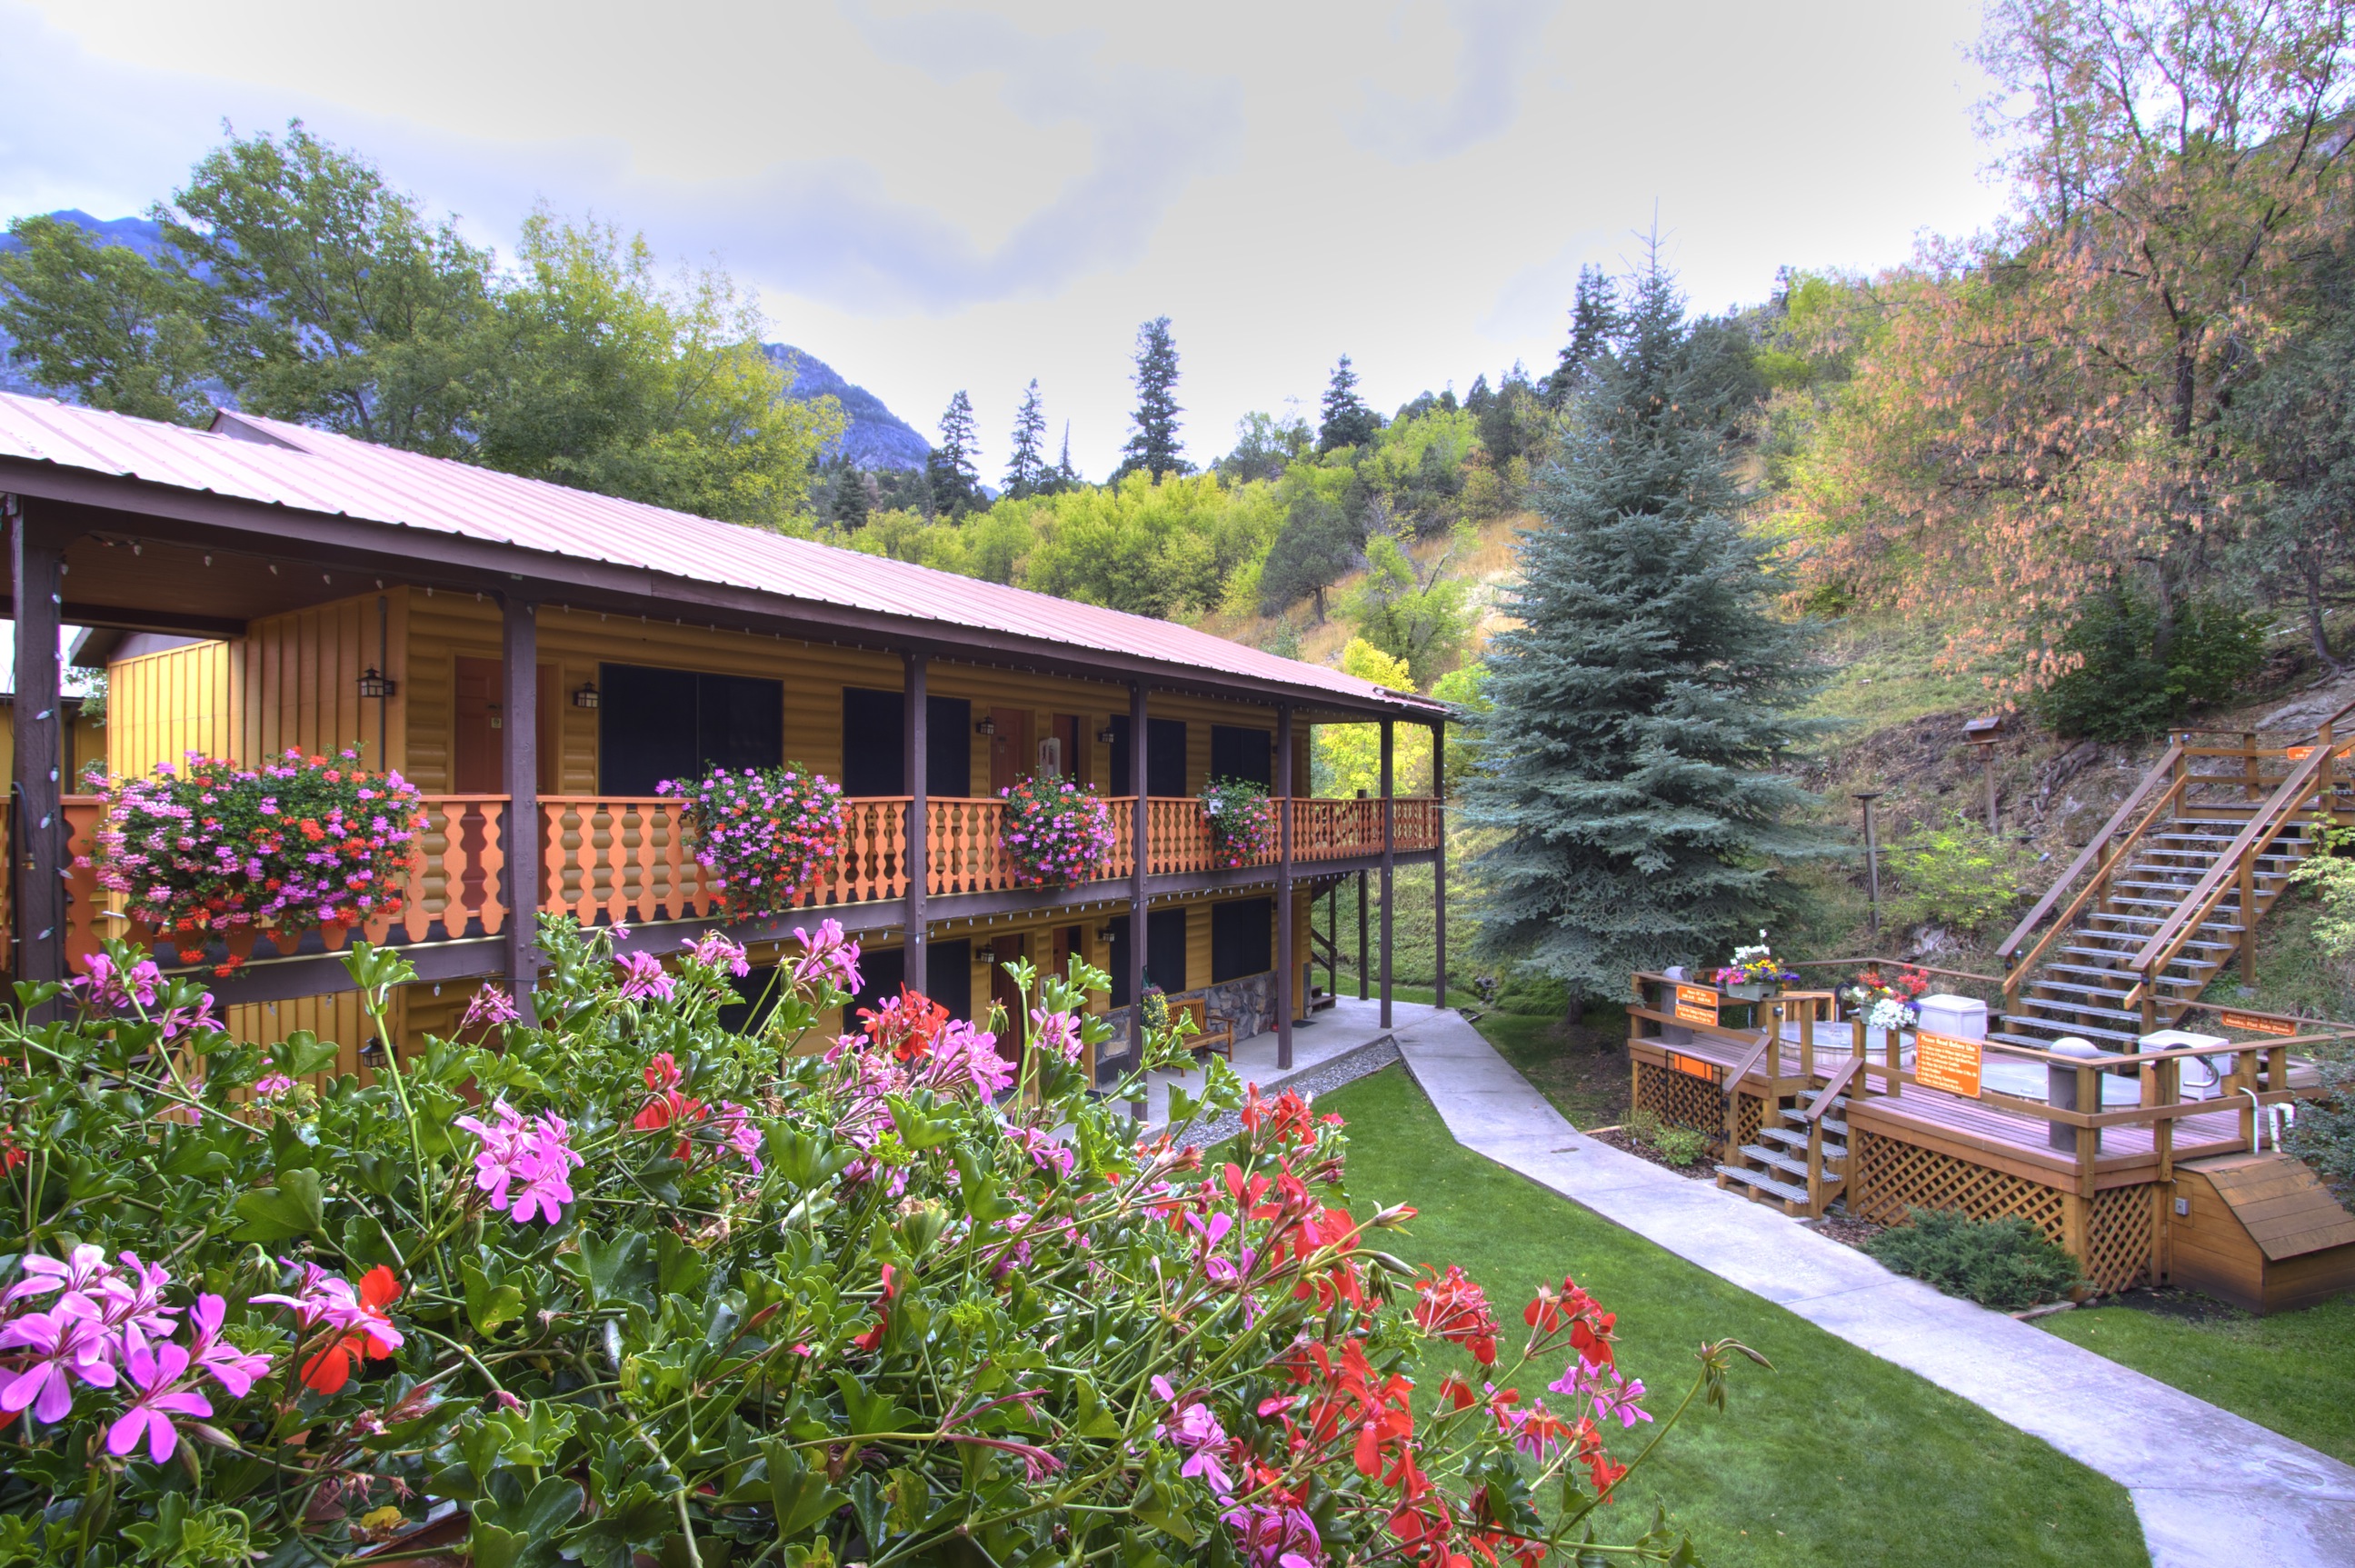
103 322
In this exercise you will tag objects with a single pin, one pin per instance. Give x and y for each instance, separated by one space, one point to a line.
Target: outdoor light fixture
587 695
987 954
986 727
1108 735
1104 933
375 685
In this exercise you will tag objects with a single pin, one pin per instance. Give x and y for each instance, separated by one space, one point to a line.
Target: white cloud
932 197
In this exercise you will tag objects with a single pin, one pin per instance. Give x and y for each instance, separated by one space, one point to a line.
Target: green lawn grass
1834 1456
2293 1372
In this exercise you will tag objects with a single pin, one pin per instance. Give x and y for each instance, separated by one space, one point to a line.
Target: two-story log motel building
537 659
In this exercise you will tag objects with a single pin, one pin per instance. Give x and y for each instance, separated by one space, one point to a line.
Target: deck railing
629 860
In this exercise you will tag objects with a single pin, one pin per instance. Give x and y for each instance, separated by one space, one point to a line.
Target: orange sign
2280 1027
1692 1065
1943 1061
1696 1005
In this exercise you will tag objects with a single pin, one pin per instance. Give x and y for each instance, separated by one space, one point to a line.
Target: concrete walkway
2211 1490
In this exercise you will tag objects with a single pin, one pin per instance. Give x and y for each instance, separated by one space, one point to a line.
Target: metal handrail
2161 948
2164 768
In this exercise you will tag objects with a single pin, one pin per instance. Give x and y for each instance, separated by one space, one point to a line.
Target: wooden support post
520 720
40 839
1390 812
2252 789
1439 858
1287 973
1142 839
1365 964
2089 1140
2248 943
916 737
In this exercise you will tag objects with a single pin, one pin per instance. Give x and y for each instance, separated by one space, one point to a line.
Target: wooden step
2124 977
2081 1010
1759 1182
2125 1042
1794 1139
1776 1160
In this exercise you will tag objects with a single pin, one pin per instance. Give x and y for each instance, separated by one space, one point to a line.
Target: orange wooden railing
606 859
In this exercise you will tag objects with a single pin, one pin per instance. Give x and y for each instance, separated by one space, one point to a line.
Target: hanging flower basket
210 851
1242 823
1754 975
1057 833
761 833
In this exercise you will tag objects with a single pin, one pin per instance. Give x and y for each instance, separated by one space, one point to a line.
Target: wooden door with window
1010 758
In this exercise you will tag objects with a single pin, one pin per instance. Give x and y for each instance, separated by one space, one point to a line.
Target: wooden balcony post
917 738
1365 968
1439 857
519 721
1390 808
2249 764
1287 981
38 576
1142 828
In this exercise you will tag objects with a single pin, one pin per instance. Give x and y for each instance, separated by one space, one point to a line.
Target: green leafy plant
1958 875
624 1283
2125 687
2006 1263
1680 1147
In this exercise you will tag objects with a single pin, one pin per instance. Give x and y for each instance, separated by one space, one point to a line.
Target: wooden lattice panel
1749 1111
2117 1238
1888 1178
1679 1099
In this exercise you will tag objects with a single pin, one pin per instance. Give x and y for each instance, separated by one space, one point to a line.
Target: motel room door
1011 759
478 753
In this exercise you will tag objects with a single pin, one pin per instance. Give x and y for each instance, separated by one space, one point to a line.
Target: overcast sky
932 198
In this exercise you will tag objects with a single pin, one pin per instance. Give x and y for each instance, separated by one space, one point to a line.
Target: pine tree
1347 421
1026 471
1646 696
1065 474
950 472
851 502
1593 321
1154 449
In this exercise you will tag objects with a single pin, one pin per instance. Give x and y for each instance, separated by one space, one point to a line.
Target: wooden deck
1807 1113
1972 1129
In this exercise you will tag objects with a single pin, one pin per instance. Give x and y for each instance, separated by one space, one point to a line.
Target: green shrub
1642 1125
2125 689
1680 1147
1958 875
2005 1264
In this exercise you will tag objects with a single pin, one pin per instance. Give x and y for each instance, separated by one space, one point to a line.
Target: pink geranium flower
63 1345
233 1369
531 1156
644 978
156 1373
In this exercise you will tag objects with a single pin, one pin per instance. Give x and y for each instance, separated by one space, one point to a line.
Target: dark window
1165 760
1240 753
879 974
948 971
657 724
1165 954
1242 938
872 743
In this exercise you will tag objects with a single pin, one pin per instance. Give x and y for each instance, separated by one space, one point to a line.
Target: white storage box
1957 1018
2200 1077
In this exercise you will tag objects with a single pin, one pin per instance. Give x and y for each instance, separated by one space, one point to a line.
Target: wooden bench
1215 1031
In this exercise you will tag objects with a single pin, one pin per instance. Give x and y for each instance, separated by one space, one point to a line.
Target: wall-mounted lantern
587 695
376 685
986 954
1108 735
986 726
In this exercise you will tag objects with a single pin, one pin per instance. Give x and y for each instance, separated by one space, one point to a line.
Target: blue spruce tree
1627 775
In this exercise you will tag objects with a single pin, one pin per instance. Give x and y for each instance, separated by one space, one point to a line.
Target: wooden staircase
1799 1161
2170 891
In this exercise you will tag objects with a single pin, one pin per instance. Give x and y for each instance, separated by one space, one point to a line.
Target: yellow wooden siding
301 681
160 707
337 1017
85 743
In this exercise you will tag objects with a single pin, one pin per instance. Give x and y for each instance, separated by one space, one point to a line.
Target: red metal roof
290 465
